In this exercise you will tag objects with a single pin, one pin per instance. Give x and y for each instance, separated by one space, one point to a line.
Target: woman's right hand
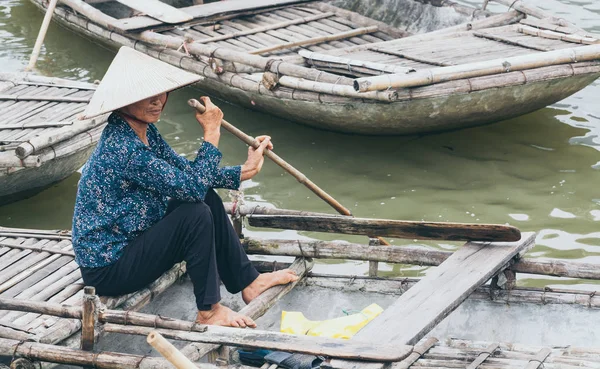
210 121
255 157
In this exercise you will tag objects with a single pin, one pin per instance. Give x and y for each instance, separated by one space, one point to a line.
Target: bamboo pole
489 67
88 318
333 89
257 339
414 255
266 28
250 141
64 355
169 352
42 34
311 56
45 98
532 31
42 141
316 40
36 125
266 64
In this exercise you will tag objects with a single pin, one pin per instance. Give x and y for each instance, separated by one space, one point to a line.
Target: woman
141 208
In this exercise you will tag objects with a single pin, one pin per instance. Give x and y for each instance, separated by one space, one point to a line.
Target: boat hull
441 108
26 182
440 113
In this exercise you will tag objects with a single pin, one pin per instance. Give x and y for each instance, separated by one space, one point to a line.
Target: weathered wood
40 142
273 26
350 63
204 11
358 19
316 40
158 10
51 250
39 307
527 30
88 318
421 308
348 349
256 61
42 34
45 98
490 67
64 355
538 360
168 351
35 125
483 356
333 89
390 228
148 320
417 352
510 41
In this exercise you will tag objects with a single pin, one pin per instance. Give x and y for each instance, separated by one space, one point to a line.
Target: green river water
538 172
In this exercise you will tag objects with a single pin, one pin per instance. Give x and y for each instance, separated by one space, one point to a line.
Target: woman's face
147 110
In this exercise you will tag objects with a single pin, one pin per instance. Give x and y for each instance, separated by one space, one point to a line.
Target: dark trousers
199 233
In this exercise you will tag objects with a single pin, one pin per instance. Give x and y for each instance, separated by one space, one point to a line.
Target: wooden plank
435 296
332 347
204 11
389 228
158 10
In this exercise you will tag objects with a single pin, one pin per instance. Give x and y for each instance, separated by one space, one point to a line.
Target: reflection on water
538 172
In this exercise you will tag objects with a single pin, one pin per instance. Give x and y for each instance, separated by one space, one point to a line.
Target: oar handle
251 141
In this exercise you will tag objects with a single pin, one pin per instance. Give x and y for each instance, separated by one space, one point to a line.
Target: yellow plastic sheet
344 327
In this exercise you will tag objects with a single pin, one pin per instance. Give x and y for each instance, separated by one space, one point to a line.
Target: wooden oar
250 141
40 39
389 228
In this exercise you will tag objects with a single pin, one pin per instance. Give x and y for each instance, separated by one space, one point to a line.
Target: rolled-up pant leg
188 232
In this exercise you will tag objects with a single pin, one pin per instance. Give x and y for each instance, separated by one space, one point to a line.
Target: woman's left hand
255 160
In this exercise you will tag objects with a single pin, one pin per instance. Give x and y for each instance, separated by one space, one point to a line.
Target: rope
95 359
303 256
137 365
16 348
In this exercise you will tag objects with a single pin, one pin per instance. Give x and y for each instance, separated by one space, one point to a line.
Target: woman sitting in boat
141 208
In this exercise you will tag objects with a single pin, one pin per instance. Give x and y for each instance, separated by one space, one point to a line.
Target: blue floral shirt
125 186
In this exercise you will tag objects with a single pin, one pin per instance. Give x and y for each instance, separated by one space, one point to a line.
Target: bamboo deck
39 116
41 294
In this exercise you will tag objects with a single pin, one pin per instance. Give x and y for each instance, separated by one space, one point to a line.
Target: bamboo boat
465 312
41 140
305 60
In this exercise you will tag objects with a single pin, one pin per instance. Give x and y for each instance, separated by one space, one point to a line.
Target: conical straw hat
133 76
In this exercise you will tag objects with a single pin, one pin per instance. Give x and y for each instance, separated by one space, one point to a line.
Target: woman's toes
249 322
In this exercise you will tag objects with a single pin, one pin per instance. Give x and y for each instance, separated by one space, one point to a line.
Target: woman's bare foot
266 281
224 316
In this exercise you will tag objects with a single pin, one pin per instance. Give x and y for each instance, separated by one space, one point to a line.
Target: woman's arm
190 184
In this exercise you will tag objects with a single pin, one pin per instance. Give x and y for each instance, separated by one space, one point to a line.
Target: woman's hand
255 157
210 121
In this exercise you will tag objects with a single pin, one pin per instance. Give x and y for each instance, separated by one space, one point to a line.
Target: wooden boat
41 142
448 318
302 59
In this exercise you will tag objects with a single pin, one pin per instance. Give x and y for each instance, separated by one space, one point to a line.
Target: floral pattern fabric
125 186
